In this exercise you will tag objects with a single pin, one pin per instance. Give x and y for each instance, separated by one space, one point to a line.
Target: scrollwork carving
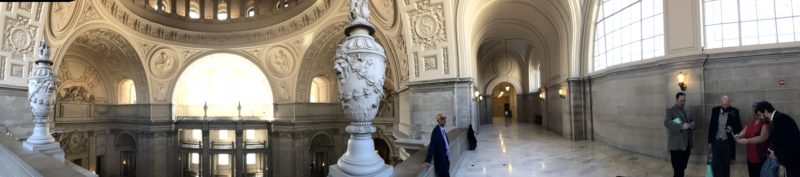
428 24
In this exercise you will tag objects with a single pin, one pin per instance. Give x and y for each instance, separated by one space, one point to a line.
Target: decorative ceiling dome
217 15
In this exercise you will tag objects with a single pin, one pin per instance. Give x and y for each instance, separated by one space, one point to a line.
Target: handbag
770 168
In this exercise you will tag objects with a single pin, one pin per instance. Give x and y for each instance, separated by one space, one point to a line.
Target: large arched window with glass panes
733 23
628 31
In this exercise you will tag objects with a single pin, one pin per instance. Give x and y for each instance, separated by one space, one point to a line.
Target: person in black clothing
724 120
439 149
784 138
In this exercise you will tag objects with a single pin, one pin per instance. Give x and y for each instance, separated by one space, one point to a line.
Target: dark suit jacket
785 138
733 121
677 138
437 150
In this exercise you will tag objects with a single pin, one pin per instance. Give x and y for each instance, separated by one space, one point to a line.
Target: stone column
360 63
41 84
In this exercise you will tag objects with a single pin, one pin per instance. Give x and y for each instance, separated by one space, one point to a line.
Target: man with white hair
724 120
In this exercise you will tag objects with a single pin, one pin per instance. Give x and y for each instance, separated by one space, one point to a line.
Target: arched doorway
504 103
321 148
223 85
126 145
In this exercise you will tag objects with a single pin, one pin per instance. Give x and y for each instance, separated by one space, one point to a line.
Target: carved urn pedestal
41 84
360 63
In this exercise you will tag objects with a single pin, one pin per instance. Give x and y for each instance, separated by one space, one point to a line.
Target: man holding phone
784 138
724 120
679 134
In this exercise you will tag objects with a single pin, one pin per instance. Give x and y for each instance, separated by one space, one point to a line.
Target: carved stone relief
62 15
16 70
19 36
73 142
386 108
8 6
160 89
2 67
163 63
446 61
89 13
416 64
79 81
26 6
281 61
384 12
402 57
427 24
430 63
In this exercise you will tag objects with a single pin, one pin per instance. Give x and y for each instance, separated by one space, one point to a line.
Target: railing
239 111
228 145
255 145
15 160
257 174
411 166
193 145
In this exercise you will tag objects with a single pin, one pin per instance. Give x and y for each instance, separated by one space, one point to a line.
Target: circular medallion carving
163 63
61 16
20 38
426 26
503 66
280 61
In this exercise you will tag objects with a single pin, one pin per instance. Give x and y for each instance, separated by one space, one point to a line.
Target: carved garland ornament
428 24
19 36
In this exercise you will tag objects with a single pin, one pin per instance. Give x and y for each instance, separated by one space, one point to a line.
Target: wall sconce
681 84
477 96
542 94
562 93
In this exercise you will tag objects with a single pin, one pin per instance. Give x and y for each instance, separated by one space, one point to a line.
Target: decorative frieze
428 24
143 26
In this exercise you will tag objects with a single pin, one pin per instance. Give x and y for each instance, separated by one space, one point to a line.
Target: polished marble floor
526 150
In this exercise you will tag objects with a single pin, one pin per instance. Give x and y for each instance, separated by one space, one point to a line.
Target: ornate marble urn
360 63
41 84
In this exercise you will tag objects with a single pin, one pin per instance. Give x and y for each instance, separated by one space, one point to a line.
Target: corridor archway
504 102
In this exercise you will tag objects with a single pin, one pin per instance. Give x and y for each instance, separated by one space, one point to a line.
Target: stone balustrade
411 167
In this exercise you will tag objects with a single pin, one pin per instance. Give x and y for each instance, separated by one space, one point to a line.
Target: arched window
732 23
193 14
127 92
223 85
320 90
222 15
628 31
251 12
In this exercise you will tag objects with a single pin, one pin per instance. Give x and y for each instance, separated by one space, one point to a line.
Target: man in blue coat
439 149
